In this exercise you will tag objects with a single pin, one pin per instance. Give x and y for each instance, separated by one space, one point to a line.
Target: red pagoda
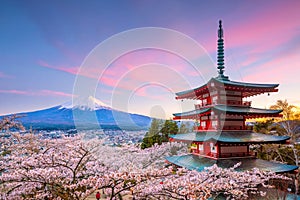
221 136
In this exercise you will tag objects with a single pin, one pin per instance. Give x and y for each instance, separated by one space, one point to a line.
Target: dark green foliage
263 127
185 127
159 132
170 127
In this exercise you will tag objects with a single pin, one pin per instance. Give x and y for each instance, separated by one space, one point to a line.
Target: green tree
159 133
153 135
156 125
170 127
264 126
184 127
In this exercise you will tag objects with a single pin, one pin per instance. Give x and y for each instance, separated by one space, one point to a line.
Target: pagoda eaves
247 112
246 89
194 162
230 137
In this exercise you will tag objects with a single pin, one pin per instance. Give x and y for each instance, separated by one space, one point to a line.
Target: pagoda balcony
247 103
228 102
224 128
200 106
222 155
200 128
236 103
233 128
237 154
201 153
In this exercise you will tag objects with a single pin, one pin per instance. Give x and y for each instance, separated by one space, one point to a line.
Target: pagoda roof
230 137
242 110
195 162
248 89
245 84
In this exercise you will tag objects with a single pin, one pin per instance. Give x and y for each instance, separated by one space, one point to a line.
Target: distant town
110 137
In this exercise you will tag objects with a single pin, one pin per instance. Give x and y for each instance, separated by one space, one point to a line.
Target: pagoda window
204 102
204 118
233 125
214 124
215 100
213 93
201 148
235 93
194 148
213 148
232 151
203 124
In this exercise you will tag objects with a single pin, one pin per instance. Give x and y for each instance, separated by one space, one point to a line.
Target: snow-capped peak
88 103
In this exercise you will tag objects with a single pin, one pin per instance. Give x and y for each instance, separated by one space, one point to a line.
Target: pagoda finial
220 31
220 56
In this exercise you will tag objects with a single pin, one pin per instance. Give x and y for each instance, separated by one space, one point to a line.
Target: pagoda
221 136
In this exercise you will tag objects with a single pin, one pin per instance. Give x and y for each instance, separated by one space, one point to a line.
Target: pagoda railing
247 103
236 154
199 106
223 155
228 102
213 128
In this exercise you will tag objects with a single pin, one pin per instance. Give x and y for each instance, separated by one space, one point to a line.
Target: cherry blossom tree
8 122
74 168
211 182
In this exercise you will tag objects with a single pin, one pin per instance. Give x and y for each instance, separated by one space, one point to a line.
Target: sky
51 50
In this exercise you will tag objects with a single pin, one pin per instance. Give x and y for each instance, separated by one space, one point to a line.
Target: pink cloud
37 93
151 92
90 72
281 69
109 81
122 66
71 70
54 93
264 30
20 92
142 92
135 60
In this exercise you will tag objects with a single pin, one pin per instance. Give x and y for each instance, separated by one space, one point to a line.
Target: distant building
221 136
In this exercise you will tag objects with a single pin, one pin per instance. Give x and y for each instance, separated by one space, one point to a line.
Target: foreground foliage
73 168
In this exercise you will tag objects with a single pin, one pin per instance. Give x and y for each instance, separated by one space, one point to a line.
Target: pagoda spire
220 56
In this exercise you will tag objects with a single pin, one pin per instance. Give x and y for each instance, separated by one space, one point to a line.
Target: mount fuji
83 113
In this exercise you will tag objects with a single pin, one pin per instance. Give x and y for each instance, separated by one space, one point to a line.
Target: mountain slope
84 115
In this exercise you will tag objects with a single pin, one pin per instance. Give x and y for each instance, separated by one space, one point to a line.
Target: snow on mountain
84 113
89 103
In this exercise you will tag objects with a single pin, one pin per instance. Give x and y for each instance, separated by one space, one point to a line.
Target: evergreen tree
264 126
153 136
185 127
158 133
155 127
170 127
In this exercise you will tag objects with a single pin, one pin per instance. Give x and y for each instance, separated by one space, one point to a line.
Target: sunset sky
43 46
